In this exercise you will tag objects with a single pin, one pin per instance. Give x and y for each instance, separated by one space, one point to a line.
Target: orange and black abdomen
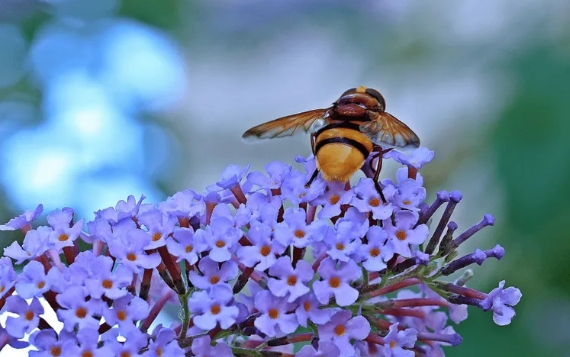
341 149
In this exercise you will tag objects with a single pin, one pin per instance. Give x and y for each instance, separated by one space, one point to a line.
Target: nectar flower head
252 265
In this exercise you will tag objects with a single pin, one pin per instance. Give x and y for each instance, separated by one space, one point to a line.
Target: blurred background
103 99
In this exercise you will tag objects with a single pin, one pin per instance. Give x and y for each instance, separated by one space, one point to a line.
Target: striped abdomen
340 150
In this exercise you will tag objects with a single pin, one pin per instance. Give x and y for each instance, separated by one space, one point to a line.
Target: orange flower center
107 283
334 199
156 236
299 233
215 309
292 280
220 243
401 235
374 252
334 282
81 312
214 279
265 250
273 313
132 257
374 202
339 330
189 248
63 237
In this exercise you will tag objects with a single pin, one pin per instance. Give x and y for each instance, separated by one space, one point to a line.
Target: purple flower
36 242
231 176
63 234
376 253
213 273
201 347
275 318
187 245
277 172
78 312
342 328
47 342
403 233
367 199
29 315
343 241
101 279
332 199
262 254
164 344
336 281
416 158
183 204
128 248
326 348
294 190
88 344
295 230
501 301
159 225
291 280
211 307
396 340
221 237
22 220
32 282
309 309
410 195
125 312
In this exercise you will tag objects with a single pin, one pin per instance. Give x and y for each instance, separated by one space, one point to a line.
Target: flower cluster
260 265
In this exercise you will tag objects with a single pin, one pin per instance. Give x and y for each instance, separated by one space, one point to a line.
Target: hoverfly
344 135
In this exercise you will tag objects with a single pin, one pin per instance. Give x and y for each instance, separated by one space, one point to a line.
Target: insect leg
316 172
380 155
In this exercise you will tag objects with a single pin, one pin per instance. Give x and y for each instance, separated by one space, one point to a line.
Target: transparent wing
385 130
285 126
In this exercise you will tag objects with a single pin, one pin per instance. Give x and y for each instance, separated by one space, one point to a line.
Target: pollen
87 354
334 282
392 344
407 202
188 248
339 330
81 312
307 306
374 252
121 315
156 236
401 235
299 233
41 284
63 237
265 250
214 279
125 354
132 257
291 280
374 202
215 309
29 315
220 243
55 351
273 313
339 246
158 351
107 283
334 199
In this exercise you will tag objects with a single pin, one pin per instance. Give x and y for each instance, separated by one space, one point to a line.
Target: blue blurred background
102 99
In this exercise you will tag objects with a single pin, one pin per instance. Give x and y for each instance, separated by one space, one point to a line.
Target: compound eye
374 93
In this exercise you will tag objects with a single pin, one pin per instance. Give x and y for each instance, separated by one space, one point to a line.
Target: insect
344 135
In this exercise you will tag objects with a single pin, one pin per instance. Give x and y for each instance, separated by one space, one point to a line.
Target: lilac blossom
260 264
23 220
342 328
501 302
275 318
291 281
336 281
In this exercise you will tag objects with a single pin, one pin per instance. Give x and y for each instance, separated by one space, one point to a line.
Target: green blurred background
102 99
